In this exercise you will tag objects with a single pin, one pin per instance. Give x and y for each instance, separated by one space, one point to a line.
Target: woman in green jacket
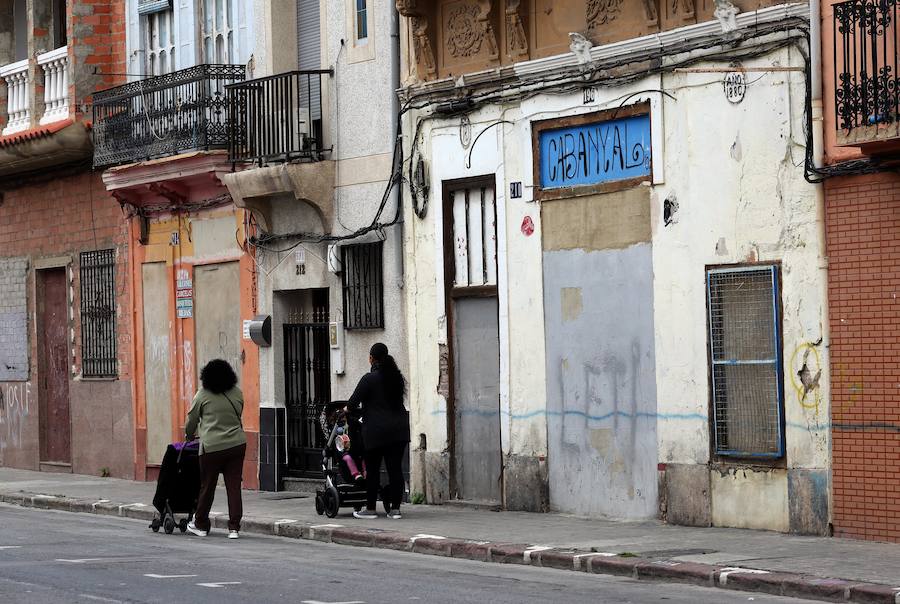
216 411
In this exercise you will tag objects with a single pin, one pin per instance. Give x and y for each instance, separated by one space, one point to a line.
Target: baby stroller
342 489
178 486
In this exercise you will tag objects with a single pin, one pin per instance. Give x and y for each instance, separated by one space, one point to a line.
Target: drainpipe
815 39
396 197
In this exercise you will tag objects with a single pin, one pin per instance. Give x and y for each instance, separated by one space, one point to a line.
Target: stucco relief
516 42
469 30
602 12
651 12
682 8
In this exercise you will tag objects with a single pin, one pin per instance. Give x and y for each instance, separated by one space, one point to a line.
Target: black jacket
385 420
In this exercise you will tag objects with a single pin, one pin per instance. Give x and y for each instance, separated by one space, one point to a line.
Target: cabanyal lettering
595 153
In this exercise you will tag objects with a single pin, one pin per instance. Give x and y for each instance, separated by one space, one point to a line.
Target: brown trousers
229 463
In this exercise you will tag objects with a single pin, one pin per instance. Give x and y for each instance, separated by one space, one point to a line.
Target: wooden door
53 363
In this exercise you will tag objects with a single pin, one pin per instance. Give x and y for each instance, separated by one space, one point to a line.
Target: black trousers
229 463
393 461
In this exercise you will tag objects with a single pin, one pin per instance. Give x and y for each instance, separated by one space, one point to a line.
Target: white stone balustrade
56 84
18 97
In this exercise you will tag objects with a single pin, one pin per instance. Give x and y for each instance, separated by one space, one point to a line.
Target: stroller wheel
320 504
154 525
169 525
332 502
182 526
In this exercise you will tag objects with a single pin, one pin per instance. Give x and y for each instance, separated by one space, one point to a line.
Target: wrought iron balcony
163 115
867 88
277 119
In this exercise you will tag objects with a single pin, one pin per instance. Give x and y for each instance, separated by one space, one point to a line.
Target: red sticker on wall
527 226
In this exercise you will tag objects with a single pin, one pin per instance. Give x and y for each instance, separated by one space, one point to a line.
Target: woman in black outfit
385 428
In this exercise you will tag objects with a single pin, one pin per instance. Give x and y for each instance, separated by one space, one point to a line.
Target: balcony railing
56 84
163 115
867 87
278 118
18 97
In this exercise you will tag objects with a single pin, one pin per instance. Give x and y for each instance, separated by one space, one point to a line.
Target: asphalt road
52 557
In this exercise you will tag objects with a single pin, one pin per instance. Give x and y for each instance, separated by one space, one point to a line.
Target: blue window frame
745 352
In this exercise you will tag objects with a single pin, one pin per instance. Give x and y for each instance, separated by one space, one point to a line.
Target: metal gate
307 387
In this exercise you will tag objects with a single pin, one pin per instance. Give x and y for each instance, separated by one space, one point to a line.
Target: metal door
478 456
55 424
217 315
157 359
307 388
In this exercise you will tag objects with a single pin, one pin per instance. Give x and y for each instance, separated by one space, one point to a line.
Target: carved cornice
469 30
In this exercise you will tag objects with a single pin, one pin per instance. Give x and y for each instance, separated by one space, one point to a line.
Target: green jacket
219 420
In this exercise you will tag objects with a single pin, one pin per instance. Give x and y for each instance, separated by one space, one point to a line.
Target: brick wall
863 245
13 315
63 218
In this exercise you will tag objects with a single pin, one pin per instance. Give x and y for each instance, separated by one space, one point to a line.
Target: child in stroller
337 425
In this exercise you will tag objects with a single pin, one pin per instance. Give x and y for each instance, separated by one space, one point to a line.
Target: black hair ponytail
394 381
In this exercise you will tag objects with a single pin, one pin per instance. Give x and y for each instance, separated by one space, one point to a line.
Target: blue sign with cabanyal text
596 153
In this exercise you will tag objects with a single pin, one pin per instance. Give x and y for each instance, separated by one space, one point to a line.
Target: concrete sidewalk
796 565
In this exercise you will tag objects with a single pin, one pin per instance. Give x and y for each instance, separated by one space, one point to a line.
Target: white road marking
414 538
99 599
285 521
533 550
723 576
315 526
219 584
154 576
43 496
79 560
10 546
320 602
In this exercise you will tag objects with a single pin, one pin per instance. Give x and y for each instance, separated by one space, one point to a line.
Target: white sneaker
365 515
193 529
394 515
233 535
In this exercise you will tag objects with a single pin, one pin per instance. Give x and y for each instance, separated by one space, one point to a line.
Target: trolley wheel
320 504
332 502
169 525
182 526
154 525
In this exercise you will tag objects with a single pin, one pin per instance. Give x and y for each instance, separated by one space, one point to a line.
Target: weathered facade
615 265
862 205
318 173
161 141
66 368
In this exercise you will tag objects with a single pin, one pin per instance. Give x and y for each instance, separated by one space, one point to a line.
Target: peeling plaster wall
726 189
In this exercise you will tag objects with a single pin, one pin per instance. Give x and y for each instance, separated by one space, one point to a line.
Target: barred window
98 313
748 393
363 286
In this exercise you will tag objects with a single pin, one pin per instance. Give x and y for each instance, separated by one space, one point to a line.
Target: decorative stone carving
469 30
651 12
726 12
516 42
424 52
602 12
683 7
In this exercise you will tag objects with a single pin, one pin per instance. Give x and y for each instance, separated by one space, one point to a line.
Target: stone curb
743 579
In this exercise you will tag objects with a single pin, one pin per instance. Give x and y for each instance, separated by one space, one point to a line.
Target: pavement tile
615 565
434 547
508 553
471 550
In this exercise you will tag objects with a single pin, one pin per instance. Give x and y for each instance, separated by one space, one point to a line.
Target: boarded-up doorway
472 303
217 314
53 367
157 360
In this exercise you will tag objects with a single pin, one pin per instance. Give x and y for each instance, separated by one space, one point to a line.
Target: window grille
159 42
363 286
475 236
748 393
218 35
98 313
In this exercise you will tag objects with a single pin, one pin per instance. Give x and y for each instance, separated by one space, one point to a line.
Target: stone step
301 485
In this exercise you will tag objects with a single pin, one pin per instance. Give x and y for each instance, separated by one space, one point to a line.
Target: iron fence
745 350
307 389
163 115
865 61
363 285
98 313
278 118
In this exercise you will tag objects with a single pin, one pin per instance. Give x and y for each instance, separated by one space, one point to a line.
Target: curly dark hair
218 376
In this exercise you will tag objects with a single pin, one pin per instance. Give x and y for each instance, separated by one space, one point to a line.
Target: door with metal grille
307 366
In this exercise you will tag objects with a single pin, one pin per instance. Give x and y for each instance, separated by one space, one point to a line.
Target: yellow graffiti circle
798 387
